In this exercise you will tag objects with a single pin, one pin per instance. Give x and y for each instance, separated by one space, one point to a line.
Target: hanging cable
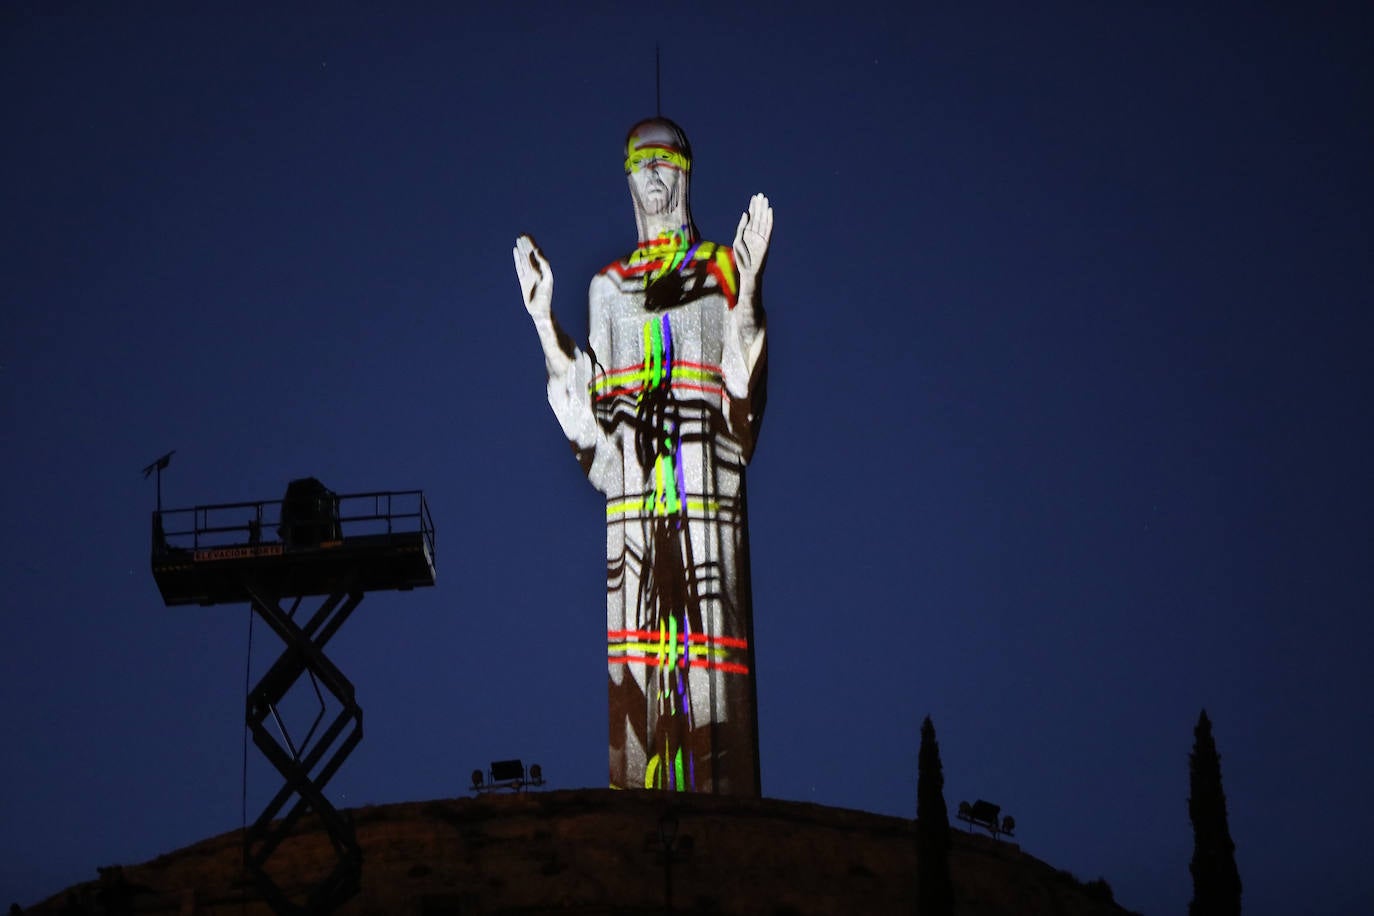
243 793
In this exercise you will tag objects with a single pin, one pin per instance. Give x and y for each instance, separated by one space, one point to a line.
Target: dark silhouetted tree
1216 881
934 892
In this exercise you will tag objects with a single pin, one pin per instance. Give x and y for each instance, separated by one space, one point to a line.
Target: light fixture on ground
986 815
507 774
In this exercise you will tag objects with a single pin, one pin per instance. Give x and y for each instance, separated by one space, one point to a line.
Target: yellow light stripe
626 379
648 350
661 154
651 648
704 375
727 271
645 504
616 378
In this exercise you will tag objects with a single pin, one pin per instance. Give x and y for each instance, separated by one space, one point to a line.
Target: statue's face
655 184
655 166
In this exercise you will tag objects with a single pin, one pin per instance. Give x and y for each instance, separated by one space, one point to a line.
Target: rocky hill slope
599 852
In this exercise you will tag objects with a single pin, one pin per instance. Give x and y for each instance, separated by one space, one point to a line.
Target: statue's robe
662 411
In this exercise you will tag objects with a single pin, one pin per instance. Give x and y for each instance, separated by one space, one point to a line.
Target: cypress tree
934 892
1216 880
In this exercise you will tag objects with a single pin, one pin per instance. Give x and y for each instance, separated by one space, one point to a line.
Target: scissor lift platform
316 543
205 555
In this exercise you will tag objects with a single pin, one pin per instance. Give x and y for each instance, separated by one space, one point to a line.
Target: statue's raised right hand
536 277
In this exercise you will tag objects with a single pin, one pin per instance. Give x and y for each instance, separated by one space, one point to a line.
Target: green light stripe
672 642
666 501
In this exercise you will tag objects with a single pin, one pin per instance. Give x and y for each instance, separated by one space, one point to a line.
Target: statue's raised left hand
536 278
536 288
751 242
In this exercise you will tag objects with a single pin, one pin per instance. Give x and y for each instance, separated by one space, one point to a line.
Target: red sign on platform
238 553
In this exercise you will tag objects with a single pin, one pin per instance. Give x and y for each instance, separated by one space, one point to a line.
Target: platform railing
383 512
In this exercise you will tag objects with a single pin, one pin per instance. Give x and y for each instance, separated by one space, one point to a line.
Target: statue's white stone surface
662 409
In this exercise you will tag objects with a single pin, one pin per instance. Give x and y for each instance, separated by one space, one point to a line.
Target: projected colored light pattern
662 409
676 253
675 647
660 155
683 650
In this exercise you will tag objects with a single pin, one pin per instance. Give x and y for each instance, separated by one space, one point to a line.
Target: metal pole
667 835
668 881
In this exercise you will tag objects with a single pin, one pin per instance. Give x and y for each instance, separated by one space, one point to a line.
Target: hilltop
597 851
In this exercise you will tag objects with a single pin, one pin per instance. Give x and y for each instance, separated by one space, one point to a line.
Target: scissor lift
340 547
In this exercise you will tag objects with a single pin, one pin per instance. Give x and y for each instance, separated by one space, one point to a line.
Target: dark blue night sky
1067 437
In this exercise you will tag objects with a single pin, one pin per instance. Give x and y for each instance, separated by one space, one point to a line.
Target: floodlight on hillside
507 770
988 816
508 774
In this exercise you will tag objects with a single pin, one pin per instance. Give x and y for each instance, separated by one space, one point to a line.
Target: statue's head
658 160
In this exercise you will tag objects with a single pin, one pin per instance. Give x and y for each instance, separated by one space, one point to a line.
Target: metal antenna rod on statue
157 466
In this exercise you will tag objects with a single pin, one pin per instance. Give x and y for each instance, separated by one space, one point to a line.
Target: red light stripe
688 386
691 365
692 386
639 367
616 392
730 297
726 667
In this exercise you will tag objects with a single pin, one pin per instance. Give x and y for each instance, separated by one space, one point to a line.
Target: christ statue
662 408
